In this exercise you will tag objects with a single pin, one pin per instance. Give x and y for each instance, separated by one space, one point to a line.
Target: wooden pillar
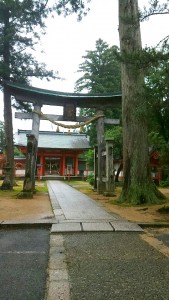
63 165
101 146
76 165
42 164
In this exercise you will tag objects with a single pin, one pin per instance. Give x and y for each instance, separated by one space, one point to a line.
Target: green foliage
101 74
141 194
138 187
89 155
117 136
154 8
100 69
90 179
159 143
21 23
18 153
164 183
157 87
72 6
2 137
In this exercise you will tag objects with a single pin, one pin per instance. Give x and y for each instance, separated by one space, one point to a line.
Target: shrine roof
32 94
54 140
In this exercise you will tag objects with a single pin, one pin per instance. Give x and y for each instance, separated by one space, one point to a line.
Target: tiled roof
54 140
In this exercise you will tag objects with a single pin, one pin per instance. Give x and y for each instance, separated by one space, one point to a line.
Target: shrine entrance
70 102
52 166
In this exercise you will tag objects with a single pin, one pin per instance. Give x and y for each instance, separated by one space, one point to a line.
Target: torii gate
69 101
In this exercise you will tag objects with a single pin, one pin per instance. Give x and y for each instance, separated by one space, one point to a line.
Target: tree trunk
138 186
7 104
9 151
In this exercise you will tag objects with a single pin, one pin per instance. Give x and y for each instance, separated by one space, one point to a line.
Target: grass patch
41 187
81 186
164 209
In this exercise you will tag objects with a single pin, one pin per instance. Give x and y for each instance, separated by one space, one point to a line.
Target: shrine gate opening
70 102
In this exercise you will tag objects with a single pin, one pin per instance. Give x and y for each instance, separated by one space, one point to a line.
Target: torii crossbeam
69 101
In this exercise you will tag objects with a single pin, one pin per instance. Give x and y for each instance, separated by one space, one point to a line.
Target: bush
90 179
164 183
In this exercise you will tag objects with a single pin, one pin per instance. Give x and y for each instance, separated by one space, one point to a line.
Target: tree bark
138 186
9 151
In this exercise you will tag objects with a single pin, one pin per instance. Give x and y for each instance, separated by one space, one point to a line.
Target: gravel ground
118 266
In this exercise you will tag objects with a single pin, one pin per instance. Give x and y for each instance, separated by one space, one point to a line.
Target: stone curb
20 223
157 225
58 287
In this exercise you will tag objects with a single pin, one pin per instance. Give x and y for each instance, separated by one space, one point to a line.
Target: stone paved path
77 212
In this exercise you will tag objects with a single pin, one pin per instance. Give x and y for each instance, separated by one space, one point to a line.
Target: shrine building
59 154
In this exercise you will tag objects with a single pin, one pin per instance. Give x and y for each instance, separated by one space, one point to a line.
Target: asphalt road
164 238
118 266
23 263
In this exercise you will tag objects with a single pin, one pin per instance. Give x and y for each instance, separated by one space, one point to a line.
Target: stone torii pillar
101 146
104 177
31 157
110 185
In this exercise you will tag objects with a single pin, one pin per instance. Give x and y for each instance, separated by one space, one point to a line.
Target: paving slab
77 212
76 205
85 221
97 227
126 226
66 227
27 221
58 212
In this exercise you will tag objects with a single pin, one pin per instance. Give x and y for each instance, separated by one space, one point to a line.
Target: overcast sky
66 41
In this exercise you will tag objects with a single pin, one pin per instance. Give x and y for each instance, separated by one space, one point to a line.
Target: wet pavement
115 267
76 212
88 254
163 237
23 263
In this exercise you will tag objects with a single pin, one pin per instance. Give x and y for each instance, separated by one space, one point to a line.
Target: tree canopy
100 74
21 24
100 70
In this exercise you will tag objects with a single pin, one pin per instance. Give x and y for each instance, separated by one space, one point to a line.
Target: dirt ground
40 207
143 214
25 209
138 214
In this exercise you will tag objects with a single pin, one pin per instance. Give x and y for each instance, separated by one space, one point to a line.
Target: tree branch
154 14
